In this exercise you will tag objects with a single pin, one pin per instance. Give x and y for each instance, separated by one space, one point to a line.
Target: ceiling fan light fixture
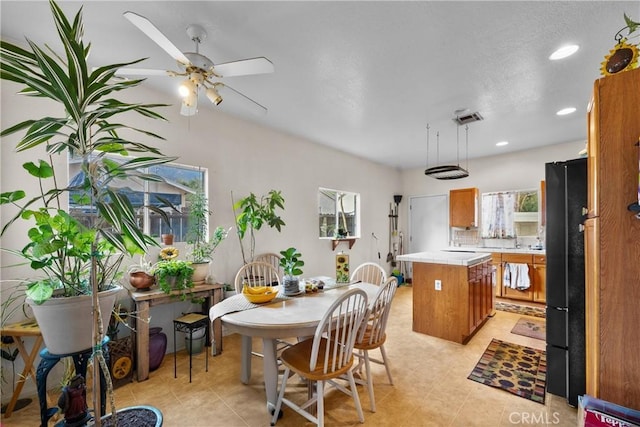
186 88
213 95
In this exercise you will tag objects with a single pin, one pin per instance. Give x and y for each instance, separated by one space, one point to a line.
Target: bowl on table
259 294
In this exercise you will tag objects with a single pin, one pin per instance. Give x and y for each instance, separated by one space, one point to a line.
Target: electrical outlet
438 285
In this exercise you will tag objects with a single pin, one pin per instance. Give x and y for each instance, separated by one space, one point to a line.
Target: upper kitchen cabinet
463 207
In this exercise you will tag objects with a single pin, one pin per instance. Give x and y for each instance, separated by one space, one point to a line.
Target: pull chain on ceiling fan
198 69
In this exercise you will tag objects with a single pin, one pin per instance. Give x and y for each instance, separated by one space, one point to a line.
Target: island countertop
450 258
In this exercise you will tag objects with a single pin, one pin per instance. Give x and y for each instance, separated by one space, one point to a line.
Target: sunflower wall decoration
342 268
624 56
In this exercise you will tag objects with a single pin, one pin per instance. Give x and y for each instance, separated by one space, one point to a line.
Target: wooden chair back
369 272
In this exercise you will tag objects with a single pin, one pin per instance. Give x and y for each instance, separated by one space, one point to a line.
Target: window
338 214
179 180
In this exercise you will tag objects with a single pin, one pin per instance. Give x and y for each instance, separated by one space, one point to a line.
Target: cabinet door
463 207
539 279
592 305
496 261
525 294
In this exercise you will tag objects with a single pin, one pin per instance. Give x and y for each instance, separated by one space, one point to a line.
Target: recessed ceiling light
566 111
564 51
502 143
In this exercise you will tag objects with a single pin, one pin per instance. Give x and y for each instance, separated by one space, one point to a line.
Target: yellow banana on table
256 290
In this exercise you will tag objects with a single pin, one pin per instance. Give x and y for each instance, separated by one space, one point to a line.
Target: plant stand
80 360
189 323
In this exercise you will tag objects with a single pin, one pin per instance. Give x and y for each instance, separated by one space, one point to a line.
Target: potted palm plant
76 260
291 262
251 214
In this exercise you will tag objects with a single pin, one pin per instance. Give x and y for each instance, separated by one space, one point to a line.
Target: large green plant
252 213
87 132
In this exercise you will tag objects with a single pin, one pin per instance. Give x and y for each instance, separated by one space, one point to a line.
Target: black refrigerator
566 202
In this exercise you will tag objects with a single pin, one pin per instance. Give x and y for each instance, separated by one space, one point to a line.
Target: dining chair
326 357
256 274
271 258
369 272
373 335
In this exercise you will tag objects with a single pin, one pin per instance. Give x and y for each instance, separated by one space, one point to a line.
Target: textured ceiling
367 77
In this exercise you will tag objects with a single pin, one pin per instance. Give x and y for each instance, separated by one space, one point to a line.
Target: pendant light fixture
445 172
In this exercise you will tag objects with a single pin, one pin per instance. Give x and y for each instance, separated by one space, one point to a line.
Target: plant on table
173 274
75 258
291 264
251 214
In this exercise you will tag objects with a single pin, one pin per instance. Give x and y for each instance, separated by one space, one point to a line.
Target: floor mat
514 368
531 328
520 309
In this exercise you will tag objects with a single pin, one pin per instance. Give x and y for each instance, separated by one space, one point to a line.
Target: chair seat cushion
297 358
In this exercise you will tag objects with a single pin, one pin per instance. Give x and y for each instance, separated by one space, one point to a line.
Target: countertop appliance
566 198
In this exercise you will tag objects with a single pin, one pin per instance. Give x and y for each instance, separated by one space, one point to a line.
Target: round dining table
285 318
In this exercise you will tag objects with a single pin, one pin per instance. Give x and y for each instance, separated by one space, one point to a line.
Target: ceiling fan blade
244 67
245 100
156 35
141 72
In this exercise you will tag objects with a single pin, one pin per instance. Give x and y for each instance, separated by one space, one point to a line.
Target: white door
428 223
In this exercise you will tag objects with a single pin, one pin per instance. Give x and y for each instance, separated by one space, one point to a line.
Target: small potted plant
291 263
173 274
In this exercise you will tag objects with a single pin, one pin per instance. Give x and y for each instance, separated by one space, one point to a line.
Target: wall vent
463 119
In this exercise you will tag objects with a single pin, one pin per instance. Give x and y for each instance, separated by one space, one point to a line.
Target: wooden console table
145 300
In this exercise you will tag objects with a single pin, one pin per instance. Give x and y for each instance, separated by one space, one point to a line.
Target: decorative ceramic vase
157 347
63 321
141 280
291 285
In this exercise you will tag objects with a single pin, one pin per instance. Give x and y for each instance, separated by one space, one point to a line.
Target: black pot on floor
135 416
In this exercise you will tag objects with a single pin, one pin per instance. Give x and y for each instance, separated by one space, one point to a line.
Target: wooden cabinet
524 294
537 265
496 262
612 241
462 305
463 207
539 278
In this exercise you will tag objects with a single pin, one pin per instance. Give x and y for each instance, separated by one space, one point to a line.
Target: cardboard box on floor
594 412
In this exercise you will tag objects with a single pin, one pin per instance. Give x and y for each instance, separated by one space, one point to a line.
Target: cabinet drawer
518 258
539 259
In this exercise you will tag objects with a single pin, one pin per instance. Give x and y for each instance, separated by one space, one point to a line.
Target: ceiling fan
200 71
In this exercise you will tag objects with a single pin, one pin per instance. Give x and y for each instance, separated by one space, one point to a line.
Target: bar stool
190 322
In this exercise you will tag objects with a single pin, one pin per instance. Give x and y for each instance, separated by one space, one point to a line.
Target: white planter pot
66 323
200 272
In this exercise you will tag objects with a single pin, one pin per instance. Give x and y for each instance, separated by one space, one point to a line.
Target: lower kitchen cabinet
537 266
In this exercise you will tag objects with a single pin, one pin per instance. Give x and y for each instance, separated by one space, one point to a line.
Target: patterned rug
531 328
517 369
520 309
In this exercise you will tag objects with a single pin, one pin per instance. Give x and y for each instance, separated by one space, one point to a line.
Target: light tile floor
430 375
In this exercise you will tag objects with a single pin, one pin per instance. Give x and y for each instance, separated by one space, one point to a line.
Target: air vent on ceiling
463 119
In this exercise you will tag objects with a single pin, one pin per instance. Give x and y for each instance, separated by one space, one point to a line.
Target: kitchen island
452 293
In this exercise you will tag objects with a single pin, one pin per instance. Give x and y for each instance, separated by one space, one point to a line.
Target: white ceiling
367 77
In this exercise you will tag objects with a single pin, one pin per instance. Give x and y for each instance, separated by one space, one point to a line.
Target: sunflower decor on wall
624 56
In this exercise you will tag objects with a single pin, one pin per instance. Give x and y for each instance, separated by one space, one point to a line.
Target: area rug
520 309
515 368
531 328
